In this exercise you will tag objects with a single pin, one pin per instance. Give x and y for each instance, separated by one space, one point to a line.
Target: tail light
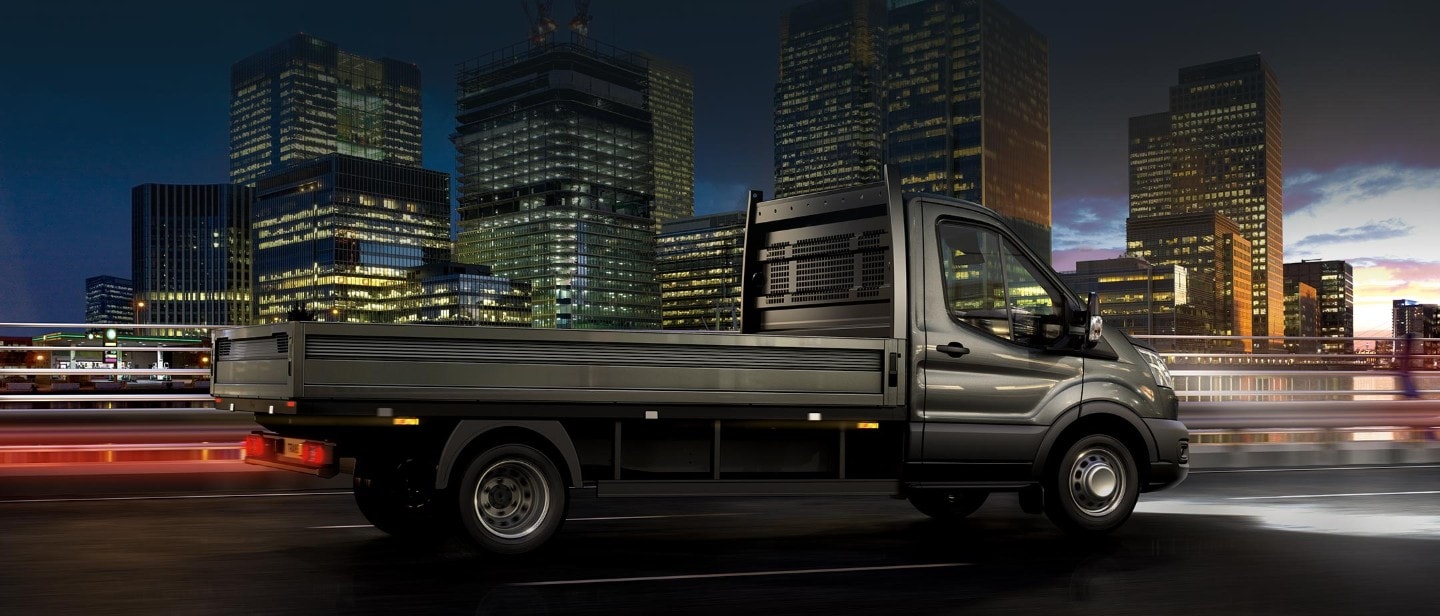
316 454
254 446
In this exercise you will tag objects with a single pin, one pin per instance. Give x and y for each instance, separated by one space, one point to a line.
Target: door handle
954 349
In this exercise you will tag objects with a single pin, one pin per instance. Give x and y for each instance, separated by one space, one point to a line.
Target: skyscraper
191 253
556 156
338 236
1334 283
1151 166
968 108
829 96
305 97
670 95
1223 149
699 260
109 299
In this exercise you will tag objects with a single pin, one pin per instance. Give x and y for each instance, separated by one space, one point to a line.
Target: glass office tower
968 108
1334 283
463 294
556 156
1411 318
670 95
699 260
109 299
828 98
306 97
337 238
1217 255
190 254
1151 166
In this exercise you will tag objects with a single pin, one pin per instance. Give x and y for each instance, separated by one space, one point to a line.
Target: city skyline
106 103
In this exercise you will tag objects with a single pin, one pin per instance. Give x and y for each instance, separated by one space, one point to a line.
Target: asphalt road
228 539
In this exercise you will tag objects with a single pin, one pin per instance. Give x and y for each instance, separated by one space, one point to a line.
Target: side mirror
1086 326
1095 327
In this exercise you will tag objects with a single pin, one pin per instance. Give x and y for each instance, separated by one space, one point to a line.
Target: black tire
512 499
399 498
1093 487
948 504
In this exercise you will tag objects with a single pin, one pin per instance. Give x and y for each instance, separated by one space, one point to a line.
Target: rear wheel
948 504
399 497
512 499
1093 487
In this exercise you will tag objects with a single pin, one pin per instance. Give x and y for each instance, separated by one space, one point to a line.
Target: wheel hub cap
1096 483
512 499
1100 481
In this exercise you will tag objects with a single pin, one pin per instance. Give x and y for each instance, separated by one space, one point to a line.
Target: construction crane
541 26
580 24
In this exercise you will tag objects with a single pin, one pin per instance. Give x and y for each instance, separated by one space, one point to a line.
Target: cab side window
990 285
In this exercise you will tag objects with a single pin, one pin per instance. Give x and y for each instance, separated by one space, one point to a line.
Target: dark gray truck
899 345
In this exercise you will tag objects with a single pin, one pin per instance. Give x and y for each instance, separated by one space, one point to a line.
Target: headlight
1158 369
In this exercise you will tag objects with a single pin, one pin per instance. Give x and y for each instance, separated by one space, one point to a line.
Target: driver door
992 382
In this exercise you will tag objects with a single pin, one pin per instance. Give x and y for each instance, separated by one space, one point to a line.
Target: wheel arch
1097 418
471 436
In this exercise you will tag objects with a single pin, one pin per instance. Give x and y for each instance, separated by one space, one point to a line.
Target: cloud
1380 212
1090 223
1302 189
1305 189
1389 228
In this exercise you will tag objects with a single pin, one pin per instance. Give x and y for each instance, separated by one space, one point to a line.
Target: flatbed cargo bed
316 362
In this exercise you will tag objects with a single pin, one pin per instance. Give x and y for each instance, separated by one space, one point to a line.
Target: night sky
100 96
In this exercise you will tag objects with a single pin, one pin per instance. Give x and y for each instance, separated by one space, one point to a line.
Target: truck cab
1014 379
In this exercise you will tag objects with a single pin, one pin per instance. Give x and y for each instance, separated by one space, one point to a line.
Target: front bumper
1172 442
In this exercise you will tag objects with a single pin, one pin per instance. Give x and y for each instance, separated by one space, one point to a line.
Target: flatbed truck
897 345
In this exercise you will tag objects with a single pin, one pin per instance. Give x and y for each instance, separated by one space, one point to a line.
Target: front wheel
512 499
948 504
1093 487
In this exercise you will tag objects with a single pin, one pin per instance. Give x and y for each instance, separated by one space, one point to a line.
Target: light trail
99 499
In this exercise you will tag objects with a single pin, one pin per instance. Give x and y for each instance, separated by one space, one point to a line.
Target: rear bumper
302 456
1172 444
